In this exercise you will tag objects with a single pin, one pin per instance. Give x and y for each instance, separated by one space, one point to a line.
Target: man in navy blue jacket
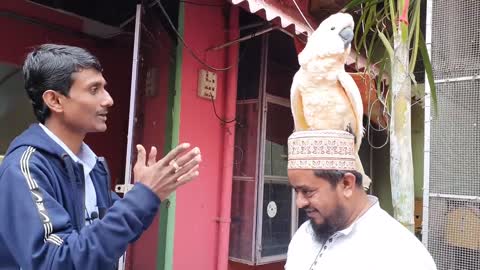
56 207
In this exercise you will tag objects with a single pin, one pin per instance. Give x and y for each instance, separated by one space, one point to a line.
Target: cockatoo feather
324 96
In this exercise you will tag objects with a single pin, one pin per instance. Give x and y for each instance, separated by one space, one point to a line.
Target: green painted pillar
172 128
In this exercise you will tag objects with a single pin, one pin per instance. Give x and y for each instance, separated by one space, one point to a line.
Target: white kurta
375 241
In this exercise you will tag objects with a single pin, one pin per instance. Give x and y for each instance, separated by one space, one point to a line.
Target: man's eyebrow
298 187
97 83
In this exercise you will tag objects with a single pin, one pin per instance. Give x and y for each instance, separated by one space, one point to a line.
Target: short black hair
334 176
50 67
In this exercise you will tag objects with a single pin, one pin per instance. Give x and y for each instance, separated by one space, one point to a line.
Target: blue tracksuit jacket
42 210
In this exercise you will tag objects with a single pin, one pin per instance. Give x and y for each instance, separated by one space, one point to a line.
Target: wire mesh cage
455 139
453 220
454 240
455 38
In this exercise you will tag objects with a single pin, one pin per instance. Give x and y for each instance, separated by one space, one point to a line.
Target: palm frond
428 71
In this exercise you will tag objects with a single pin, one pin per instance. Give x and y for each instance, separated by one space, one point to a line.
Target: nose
108 100
347 35
301 201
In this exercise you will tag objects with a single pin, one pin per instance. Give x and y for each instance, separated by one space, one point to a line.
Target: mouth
103 116
310 212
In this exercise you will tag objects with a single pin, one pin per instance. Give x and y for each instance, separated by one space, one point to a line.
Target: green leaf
354 3
416 25
414 20
400 4
412 78
370 3
386 44
380 77
358 28
404 32
428 71
389 97
393 17
368 22
372 45
371 19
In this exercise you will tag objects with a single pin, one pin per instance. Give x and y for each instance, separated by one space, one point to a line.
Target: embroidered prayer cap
321 150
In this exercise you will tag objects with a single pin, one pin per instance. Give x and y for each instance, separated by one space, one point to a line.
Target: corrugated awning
286 14
283 13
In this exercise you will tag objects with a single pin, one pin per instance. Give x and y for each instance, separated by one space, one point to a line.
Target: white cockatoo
323 95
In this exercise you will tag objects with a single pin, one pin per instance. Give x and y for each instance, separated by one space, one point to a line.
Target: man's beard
331 224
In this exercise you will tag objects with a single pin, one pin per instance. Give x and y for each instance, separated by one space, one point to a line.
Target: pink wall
196 226
198 203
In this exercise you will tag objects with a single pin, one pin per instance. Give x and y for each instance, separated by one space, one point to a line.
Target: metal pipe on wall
228 142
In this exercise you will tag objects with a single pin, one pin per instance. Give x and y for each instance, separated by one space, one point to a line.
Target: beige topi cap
321 150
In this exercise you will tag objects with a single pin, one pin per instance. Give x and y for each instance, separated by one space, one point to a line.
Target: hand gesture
166 175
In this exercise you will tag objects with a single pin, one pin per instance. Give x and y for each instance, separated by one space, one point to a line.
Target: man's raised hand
167 174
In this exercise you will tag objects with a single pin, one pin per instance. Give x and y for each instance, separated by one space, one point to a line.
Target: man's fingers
189 176
174 153
141 155
152 156
181 161
188 166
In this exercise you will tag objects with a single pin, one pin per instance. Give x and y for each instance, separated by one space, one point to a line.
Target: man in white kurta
374 241
347 229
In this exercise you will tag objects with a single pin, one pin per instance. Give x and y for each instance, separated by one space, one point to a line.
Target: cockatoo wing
297 104
355 99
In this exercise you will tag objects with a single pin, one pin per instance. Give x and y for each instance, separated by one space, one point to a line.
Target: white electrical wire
303 16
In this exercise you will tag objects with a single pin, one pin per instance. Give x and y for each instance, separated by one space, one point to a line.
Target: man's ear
53 100
348 184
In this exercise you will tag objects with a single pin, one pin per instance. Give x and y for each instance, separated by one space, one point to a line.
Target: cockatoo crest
331 41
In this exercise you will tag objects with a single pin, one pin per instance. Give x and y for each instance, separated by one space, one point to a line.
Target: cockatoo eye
333 28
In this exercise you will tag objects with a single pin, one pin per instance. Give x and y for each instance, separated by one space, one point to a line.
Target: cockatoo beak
347 35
